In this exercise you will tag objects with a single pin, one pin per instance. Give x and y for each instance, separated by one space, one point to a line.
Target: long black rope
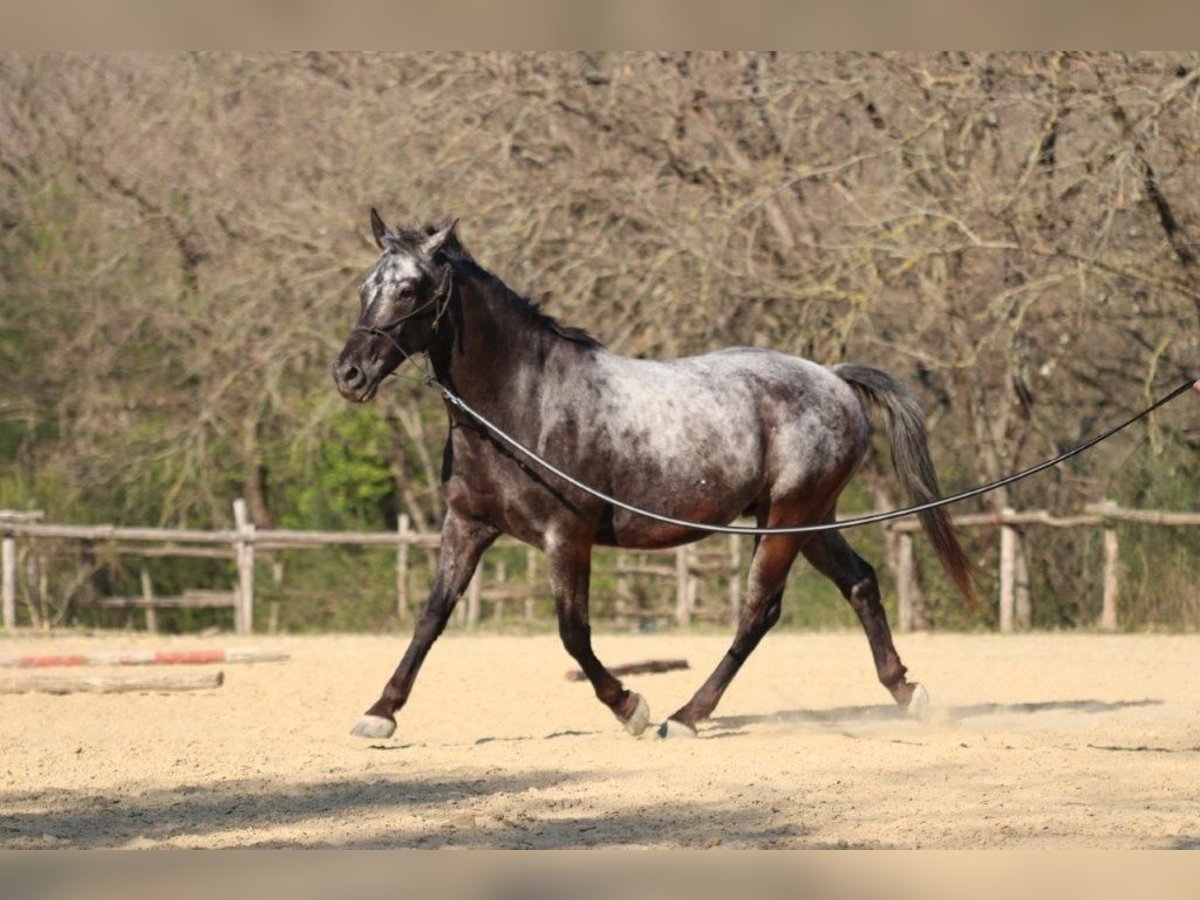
457 401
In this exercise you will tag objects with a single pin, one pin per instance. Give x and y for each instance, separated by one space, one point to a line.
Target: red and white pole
141 658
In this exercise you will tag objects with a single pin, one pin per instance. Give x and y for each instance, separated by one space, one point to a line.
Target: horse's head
403 299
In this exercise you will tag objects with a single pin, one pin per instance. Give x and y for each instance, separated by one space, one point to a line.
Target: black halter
439 301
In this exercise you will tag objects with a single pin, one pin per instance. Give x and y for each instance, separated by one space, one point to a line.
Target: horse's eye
407 292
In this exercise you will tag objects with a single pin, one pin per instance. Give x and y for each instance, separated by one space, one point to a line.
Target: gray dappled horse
705 439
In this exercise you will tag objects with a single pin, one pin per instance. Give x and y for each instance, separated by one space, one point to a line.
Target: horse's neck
490 352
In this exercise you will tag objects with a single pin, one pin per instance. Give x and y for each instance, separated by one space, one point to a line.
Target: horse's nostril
352 376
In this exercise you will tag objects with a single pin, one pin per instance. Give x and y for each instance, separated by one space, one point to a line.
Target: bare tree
1014 234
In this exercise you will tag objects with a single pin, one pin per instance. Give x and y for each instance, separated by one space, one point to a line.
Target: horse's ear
377 227
439 239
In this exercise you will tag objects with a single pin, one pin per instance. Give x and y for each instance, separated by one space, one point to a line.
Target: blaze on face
399 300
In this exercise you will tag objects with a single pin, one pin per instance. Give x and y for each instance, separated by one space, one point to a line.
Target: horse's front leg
570 562
463 543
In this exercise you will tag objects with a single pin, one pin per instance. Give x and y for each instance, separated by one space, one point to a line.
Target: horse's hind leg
833 557
569 562
769 569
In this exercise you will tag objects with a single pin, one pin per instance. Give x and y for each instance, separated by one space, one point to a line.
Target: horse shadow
857 715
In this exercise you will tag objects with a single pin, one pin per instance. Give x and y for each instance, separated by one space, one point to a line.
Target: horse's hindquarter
702 438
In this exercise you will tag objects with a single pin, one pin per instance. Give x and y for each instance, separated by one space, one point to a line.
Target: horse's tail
910 456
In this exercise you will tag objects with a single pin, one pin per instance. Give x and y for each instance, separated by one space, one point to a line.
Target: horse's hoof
674 729
918 703
639 718
374 727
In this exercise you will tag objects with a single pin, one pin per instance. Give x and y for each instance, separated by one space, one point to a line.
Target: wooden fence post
402 610
1024 608
36 585
683 593
1008 574
8 580
1021 585
1108 612
621 606
906 588
148 596
475 597
530 581
735 578
501 597
243 611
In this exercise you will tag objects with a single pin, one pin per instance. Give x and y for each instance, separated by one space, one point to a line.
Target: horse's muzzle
353 381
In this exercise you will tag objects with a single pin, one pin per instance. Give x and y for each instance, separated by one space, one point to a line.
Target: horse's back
741 388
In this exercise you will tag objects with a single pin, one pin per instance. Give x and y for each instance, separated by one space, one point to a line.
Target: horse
705 439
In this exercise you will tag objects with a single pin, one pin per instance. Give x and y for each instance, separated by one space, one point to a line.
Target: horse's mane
464 263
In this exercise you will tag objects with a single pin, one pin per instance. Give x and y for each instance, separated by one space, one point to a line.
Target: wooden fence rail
689 566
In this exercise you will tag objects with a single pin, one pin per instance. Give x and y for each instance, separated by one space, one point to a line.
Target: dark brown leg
570 564
833 557
463 543
769 569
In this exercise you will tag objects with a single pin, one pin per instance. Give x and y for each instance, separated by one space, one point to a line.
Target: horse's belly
709 498
647 534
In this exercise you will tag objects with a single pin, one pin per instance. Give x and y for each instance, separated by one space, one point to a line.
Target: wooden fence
1015 609
241 544
682 575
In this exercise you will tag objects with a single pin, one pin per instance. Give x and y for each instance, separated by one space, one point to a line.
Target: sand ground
1045 740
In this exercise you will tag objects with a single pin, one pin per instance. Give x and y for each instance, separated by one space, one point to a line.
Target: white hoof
918 704
673 729
637 722
374 727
